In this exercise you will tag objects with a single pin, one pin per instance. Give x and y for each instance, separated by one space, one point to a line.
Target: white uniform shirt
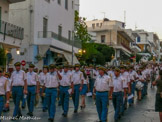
4 82
77 77
42 78
140 77
52 80
102 83
86 81
133 75
118 84
17 78
66 79
112 75
126 79
32 78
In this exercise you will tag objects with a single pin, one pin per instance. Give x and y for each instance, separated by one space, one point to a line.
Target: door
45 27
0 17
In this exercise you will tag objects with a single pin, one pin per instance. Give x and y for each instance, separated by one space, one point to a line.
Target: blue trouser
145 88
59 102
123 103
51 95
75 96
102 105
117 99
17 94
64 98
31 98
43 100
133 88
23 101
1 104
91 83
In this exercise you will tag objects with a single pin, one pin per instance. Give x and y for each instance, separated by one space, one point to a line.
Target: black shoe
116 120
30 114
81 107
44 110
50 119
75 111
64 115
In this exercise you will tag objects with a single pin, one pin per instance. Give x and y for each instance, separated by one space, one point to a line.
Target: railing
11 30
50 34
125 46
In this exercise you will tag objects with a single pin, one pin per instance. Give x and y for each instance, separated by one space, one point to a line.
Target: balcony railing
11 30
53 35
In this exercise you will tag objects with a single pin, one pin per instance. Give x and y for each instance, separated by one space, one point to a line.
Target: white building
112 33
48 27
11 35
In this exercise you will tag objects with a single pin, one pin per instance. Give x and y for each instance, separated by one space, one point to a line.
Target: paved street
141 112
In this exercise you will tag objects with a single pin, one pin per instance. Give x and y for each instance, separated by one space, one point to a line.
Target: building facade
112 33
48 31
11 35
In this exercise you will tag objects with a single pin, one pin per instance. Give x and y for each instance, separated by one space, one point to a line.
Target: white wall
30 14
56 15
5 9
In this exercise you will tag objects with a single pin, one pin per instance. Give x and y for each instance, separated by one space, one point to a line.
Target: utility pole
125 18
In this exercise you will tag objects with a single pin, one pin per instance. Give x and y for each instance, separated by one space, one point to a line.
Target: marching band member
101 88
77 80
18 86
51 84
65 84
42 77
4 91
33 88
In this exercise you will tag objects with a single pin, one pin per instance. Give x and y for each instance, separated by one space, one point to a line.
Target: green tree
81 32
97 53
2 57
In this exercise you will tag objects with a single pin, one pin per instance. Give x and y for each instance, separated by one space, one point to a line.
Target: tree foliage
2 57
81 32
97 54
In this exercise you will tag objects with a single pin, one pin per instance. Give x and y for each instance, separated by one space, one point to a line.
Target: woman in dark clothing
158 103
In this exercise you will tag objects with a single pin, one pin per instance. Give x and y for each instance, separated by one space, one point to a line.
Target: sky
143 14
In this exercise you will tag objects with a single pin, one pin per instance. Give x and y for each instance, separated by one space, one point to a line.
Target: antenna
135 26
125 17
104 14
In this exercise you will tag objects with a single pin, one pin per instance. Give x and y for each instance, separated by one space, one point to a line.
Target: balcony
135 48
121 46
11 30
11 36
15 1
52 35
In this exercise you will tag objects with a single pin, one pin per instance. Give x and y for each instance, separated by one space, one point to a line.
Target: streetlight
80 51
18 52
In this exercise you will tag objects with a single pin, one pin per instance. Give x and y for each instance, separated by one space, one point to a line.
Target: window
48 1
72 4
69 35
93 26
66 4
100 24
103 39
0 18
59 2
59 32
45 27
97 24
138 39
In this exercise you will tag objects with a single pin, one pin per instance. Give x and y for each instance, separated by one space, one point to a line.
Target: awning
43 49
68 57
56 51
